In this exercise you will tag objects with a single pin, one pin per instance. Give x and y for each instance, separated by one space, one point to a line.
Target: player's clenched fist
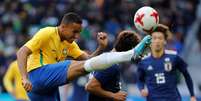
26 84
120 96
102 39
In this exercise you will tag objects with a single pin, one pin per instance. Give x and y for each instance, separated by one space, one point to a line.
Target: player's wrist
111 96
24 77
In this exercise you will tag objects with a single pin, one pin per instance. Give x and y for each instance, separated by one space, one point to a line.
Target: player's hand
120 96
193 98
144 93
102 39
26 84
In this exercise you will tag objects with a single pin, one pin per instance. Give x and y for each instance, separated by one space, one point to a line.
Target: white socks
106 60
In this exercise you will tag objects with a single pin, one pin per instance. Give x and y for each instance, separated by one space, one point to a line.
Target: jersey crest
167 64
64 51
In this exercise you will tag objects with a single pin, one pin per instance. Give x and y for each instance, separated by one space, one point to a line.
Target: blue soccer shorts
46 80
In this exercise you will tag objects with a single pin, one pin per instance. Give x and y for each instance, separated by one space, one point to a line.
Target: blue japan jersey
109 80
159 74
79 91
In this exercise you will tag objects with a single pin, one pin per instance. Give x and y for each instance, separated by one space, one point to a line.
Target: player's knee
75 70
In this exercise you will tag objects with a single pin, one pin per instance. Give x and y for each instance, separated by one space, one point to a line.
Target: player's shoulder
48 30
171 52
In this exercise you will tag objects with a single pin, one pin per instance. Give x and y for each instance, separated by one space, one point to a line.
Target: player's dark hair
71 18
126 40
162 30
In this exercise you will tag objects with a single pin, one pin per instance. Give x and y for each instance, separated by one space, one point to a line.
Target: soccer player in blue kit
158 71
105 85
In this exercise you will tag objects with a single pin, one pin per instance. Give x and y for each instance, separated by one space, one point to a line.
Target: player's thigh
75 70
49 76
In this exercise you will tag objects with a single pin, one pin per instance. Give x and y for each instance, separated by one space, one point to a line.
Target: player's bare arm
94 87
22 56
102 39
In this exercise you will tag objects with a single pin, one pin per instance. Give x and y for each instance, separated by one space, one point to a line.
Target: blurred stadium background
20 19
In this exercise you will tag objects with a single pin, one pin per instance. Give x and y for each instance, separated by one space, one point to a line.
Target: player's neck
157 54
59 32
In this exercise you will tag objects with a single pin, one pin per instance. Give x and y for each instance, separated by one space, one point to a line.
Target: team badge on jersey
168 65
64 51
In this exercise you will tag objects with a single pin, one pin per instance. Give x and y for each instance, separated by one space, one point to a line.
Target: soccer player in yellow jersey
42 61
13 83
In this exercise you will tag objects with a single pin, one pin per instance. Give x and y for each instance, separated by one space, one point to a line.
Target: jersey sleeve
75 51
140 76
9 77
39 39
182 66
104 76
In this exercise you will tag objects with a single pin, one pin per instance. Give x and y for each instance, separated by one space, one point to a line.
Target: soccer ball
146 19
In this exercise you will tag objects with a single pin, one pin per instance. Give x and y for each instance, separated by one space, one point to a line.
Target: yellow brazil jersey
13 82
47 48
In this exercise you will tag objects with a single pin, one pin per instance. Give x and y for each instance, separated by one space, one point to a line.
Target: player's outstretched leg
105 60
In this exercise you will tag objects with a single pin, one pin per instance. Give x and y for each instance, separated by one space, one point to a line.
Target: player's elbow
20 52
93 85
89 87
23 51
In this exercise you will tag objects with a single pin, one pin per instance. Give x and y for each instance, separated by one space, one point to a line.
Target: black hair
164 31
126 40
71 18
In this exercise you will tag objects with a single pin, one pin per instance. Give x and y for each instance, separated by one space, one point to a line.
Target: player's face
158 41
71 32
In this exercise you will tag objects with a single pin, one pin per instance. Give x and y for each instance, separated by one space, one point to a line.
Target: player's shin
105 60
